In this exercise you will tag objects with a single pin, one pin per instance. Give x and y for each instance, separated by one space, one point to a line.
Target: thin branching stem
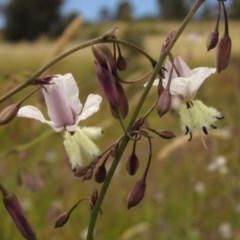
61 56
95 212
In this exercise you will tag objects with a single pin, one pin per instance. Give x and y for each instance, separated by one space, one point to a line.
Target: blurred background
192 192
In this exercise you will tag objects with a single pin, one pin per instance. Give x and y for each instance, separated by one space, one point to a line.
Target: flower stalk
126 139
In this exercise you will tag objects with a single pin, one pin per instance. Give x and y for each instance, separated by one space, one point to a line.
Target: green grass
172 208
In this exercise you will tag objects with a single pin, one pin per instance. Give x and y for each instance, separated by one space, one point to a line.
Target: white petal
199 76
91 106
178 86
155 83
33 112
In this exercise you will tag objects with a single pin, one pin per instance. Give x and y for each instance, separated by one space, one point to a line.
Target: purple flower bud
223 53
100 174
212 40
80 171
16 212
108 83
88 175
132 164
8 113
136 194
164 102
62 219
104 56
123 107
166 134
121 63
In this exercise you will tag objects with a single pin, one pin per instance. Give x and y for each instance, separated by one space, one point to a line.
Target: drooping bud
223 53
166 134
164 102
212 40
121 63
88 175
61 219
80 171
16 212
132 164
136 194
8 113
100 174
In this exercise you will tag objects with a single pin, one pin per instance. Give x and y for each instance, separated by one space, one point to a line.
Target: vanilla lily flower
65 111
184 83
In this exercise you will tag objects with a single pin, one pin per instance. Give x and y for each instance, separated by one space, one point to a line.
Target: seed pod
223 53
136 194
8 113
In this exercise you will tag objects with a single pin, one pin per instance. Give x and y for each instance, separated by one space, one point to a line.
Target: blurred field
192 193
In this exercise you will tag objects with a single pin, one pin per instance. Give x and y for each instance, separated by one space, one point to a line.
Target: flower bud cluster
223 44
106 69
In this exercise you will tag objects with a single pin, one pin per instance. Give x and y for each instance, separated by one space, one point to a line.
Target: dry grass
184 200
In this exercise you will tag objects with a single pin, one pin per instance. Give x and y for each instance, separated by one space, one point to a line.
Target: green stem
41 70
125 140
27 145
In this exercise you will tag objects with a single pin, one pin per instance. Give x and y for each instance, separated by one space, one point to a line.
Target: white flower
65 111
218 164
184 83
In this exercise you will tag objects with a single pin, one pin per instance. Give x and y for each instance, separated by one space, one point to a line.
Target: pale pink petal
182 67
71 90
34 113
59 109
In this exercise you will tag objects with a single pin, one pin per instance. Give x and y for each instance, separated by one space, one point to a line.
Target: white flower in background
199 188
185 82
218 164
225 230
65 111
